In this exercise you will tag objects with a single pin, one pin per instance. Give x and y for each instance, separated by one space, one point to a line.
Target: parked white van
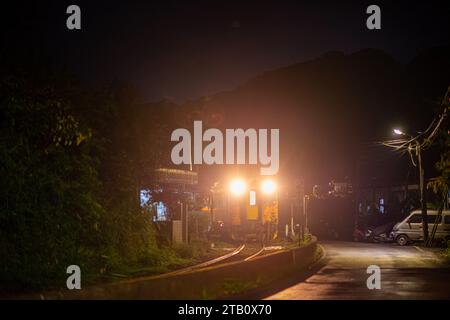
410 229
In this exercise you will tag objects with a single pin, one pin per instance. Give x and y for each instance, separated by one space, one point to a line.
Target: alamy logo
374 280
73 22
374 20
74 280
214 151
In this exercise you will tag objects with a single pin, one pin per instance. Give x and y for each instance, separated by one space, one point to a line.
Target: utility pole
305 216
421 141
413 144
187 222
212 207
423 201
182 221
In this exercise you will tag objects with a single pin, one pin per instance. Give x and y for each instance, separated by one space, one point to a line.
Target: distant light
268 186
398 131
238 187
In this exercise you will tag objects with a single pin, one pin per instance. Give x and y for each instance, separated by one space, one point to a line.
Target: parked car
410 229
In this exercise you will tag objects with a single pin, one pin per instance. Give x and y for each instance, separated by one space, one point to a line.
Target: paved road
406 273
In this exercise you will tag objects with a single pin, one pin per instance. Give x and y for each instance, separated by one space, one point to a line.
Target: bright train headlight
238 187
268 186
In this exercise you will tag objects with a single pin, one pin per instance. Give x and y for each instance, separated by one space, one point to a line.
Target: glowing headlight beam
268 186
238 187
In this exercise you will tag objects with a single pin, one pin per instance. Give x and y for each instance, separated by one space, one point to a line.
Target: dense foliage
71 162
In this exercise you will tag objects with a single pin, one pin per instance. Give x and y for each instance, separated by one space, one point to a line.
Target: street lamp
399 132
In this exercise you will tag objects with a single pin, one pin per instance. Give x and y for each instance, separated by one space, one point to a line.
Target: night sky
187 49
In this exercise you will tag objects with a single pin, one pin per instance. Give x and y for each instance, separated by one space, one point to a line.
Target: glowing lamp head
268 186
238 187
398 131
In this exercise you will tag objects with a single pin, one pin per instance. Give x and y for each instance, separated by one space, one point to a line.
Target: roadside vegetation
169 258
71 163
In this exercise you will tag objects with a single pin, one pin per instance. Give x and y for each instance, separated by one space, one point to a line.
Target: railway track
222 259
255 254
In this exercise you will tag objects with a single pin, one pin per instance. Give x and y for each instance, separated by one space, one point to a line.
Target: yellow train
246 209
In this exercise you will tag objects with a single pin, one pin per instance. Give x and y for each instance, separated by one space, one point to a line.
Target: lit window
382 205
252 198
161 212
